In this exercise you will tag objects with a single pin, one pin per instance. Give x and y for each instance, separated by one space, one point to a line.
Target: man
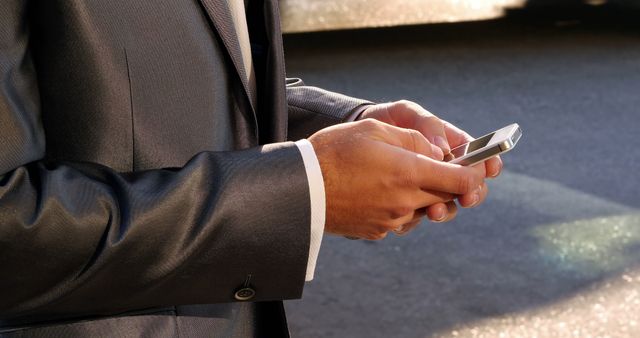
146 185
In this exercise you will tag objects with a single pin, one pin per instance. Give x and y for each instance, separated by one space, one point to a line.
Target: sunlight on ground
593 246
611 309
318 15
591 236
596 239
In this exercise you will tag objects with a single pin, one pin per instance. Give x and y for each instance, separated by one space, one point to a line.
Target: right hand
379 177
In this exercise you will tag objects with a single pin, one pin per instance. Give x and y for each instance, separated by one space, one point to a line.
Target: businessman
147 184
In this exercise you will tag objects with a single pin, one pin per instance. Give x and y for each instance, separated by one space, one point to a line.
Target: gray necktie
239 17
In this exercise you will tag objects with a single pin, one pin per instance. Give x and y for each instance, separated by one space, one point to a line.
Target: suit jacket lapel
220 14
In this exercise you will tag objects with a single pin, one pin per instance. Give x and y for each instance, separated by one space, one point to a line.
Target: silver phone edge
495 150
502 147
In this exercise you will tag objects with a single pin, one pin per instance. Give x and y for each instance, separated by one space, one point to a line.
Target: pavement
555 249
319 15
322 15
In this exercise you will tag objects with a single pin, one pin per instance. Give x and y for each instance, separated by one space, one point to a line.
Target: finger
408 227
371 233
455 135
374 236
413 141
452 211
447 177
437 212
425 198
442 212
474 198
397 225
493 166
398 222
413 116
433 129
482 168
417 218
418 214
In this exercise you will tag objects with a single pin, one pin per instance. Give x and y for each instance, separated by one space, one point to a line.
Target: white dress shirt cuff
318 207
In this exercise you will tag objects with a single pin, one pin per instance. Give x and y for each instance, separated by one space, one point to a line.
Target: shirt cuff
318 207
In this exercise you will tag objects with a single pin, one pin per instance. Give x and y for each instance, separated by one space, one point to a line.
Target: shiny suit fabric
139 186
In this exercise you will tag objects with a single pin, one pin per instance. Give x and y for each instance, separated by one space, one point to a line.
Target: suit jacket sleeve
312 108
81 238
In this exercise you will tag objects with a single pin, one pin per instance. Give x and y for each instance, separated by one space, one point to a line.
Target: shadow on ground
561 227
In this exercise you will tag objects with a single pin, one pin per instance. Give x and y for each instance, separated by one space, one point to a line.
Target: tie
239 17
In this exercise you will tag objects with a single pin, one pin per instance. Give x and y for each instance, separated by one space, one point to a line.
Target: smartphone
486 147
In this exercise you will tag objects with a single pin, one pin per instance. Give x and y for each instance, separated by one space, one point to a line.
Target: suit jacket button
245 294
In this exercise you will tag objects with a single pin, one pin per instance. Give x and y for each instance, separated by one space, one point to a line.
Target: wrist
359 113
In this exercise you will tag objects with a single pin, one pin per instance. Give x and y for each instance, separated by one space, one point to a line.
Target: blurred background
555 249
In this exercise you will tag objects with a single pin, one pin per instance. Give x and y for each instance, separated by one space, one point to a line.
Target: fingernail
442 143
439 216
497 172
475 198
437 153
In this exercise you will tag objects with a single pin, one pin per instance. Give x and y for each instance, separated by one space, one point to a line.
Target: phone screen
471 146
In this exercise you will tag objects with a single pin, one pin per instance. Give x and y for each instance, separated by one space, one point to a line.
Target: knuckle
403 203
431 122
414 139
381 236
402 213
401 210
466 183
432 118
374 236
394 224
412 132
373 123
405 104
416 136
368 123
382 227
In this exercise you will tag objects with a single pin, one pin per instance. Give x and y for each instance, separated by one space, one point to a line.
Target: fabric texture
311 108
136 175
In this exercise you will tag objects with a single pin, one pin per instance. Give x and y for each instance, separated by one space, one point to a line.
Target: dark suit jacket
132 185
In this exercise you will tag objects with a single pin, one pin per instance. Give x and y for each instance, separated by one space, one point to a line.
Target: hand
492 168
378 177
406 114
410 115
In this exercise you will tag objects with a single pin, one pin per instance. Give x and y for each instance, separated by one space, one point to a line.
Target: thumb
414 141
433 128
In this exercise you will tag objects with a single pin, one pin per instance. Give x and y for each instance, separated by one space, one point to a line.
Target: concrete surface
319 15
555 249
322 15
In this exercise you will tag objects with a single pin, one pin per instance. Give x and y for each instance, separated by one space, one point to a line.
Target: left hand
410 115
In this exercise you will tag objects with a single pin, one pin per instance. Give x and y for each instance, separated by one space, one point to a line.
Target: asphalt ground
320 15
555 249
